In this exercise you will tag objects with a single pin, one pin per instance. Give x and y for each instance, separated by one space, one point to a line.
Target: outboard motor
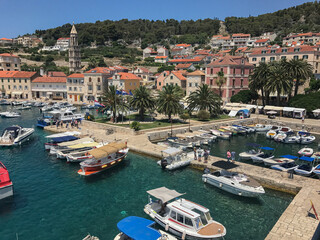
164 163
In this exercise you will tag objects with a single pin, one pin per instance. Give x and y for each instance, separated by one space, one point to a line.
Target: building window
90 79
233 92
1 80
25 87
19 80
159 83
211 81
14 87
98 87
272 59
296 50
9 87
263 59
98 79
305 57
263 51
90 87
14 80
43 86
20 87
221 69
211 71
171 77
273 51
241 84
25 80
70 88
50 86
233 82
75 89
196 84
296 57
284 50
190 84
254 59
242 71
8 80
283 57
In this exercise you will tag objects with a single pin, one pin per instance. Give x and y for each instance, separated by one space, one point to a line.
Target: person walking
199 156
206 155
233 156
195 153
228 155
302 119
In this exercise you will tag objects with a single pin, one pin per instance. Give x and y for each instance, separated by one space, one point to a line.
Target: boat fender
220 185
240 193
184 235
205 180
167 227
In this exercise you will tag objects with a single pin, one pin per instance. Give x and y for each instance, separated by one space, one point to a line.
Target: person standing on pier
228 155
195 153
233 156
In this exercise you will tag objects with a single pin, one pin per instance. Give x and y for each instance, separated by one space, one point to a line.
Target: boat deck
251 183
212 229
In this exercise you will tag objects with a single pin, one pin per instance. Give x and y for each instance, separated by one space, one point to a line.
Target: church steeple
74 51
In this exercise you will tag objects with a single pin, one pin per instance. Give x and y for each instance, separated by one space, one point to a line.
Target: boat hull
6 191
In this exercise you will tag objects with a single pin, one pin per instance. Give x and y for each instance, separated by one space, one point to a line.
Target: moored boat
181 217
306 152
6 186
15 135
276 161
138 228
262 128
65 145
11 115
316 170
104 158
253 151
235 183
306 168
263 156
219 134
271 134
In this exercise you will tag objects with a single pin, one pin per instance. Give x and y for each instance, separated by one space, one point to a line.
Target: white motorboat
306 139
57 115
246 128
285 167
306 168
263 156
316 170
55 139
235 183
254 151
306 152
4 113
11 115
183 218
262 128
6 186
291 138
280 137
271 134
15 135
65 145
175 159
140 229
277 161
23 108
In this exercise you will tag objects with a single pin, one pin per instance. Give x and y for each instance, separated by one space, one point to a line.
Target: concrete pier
294 223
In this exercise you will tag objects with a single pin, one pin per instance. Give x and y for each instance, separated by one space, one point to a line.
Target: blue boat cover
267 148
138 228
289 156
64 139
308 159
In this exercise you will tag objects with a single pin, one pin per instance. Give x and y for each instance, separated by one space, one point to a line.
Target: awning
83 145
138 228
164 194
288 109
299 109
233 113
316 111
49 93
289 156
308 159
275 108
271 112
16 93
107 149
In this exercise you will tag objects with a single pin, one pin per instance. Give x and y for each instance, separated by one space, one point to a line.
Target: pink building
236 71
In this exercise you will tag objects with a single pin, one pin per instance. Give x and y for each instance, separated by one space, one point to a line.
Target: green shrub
244 96
203 115
309 101
184 116
135 125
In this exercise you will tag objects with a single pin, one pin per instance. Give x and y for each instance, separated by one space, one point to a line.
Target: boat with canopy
285 167
306 168
263 155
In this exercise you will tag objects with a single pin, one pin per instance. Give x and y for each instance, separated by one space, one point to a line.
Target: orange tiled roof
228 60
196 59
183 65
7 55
7 74
23 74
196 73
179 75
262 40
6 39
62 38
99 70
50 80
56 74
76 75
183 45
303 48
241 35
161 57
124 76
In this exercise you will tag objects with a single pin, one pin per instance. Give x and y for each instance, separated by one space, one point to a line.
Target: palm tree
299 69
142 100
169 100
278 79
111 100
220 81
259 78
204 99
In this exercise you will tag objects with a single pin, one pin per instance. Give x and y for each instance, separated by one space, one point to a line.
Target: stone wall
107 127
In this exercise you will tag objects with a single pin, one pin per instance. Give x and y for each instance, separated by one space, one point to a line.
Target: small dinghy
306 152
278 161
291 138
305 169
11 115
235 183
262 128
280 137
263 156
140 229
307 139
271 134
247 129
220 134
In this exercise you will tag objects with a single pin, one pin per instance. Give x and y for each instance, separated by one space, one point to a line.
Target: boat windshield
202 216
208 216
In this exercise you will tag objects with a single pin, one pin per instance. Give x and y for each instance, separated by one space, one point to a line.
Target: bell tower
74 51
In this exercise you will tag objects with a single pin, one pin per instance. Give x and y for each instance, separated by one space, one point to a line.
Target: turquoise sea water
53 202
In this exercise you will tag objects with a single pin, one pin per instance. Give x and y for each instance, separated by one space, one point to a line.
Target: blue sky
19 17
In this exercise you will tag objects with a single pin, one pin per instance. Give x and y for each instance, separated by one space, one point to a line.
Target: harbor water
51 201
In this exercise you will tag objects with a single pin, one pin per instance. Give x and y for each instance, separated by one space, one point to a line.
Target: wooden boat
104 158
181 217
62 154
65 145
6 186
228 129
54 139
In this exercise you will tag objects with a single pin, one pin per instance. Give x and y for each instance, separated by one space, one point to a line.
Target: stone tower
74 51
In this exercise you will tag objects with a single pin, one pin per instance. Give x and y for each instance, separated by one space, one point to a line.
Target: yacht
15 135
104 158
235 183
277 161
140 229
285 167
181 217
6 186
